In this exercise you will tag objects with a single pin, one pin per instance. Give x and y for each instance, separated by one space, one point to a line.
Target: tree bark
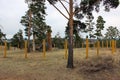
49 41
33 42
28 46
29 28
70 47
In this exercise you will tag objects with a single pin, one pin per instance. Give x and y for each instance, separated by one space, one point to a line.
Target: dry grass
103 67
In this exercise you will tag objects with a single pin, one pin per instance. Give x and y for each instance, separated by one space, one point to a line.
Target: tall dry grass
106 66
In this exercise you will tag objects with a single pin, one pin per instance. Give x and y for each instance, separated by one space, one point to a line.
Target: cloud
12 10
10 15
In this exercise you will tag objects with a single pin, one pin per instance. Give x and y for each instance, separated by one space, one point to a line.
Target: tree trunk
49 41
33 42
29 28
28 45
70 47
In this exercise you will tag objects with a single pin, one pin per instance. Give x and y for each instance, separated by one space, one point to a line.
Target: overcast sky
12 10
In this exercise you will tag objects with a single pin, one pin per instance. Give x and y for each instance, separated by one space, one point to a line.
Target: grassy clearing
103 67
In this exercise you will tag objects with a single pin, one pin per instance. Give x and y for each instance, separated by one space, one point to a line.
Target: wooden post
5 49
98 46
115 45
26 48
44 49
66 52
86 48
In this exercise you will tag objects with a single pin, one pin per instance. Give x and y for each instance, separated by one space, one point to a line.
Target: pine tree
84 8
99 27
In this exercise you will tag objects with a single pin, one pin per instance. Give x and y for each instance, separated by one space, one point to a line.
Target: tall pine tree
99 27
36 20
84 8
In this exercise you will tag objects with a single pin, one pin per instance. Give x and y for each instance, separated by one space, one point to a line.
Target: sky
11 12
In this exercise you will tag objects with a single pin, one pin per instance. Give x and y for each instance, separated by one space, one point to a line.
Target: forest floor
105 66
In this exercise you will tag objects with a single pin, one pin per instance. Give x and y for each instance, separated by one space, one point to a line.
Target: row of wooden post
102 46
5 49
112 44
44 49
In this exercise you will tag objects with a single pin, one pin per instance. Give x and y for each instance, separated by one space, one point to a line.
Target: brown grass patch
103 67
97 64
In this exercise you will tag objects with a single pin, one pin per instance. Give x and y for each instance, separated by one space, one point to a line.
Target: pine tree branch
64 7
60 12
65 1
76 11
